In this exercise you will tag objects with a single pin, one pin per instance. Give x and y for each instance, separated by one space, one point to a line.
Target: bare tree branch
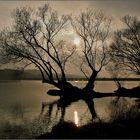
125 49
93 28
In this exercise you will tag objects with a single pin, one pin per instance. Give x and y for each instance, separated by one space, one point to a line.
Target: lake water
20 106
26 97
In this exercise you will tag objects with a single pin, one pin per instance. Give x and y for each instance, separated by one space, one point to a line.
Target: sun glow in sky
77 41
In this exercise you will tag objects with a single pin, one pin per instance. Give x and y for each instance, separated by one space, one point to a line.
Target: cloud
117 8
114 8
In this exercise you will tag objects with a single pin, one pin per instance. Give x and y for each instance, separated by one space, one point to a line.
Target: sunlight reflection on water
76 119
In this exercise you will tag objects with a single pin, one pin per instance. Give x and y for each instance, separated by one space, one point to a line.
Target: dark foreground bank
117 129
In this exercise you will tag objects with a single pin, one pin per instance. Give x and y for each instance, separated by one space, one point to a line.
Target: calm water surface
26 97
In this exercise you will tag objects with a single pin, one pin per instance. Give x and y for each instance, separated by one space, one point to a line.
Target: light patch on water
76 119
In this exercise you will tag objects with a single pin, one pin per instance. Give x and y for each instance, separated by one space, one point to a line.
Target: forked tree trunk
91 82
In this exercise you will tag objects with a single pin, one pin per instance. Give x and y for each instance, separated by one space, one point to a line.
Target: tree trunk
90 104
89 94
90 85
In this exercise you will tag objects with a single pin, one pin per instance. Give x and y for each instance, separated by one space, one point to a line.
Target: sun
76 41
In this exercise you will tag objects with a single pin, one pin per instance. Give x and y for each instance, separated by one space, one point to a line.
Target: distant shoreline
17 75
76 79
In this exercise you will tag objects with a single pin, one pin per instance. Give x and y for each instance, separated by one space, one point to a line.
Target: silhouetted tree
35 38
93 29
125 49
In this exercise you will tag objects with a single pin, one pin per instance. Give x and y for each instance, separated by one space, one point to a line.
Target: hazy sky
113 8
